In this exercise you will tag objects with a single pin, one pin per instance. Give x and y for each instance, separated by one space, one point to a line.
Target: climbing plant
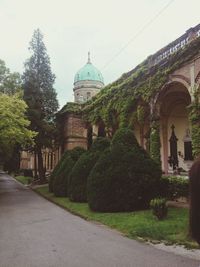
194 117
140 84
155 142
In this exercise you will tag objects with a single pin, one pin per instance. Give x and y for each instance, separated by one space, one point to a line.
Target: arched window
187 146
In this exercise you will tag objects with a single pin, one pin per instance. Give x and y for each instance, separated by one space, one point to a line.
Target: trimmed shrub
79 174
159 207
173 187
60 184
56 171
124 178
28 172
125 137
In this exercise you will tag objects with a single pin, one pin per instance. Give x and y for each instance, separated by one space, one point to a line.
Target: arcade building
159 100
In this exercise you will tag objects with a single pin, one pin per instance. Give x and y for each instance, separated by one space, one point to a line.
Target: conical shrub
124 178
60 184
79 174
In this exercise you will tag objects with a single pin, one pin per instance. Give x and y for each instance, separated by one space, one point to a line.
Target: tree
13 124
10 83
40 96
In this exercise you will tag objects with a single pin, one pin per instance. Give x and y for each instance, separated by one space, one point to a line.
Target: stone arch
171 103
180 79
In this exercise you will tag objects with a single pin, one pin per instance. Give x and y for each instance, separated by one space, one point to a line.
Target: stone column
155 132
95 130
164 137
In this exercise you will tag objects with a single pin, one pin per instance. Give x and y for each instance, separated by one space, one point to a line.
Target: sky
118 34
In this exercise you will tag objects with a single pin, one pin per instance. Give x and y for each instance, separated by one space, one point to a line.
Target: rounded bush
28 172
60 184
125 137
124 178
100 144
79 174
56 171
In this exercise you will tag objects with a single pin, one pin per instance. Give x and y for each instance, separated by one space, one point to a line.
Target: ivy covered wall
118 104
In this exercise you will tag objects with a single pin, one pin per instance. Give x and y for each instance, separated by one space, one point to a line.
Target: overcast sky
103 27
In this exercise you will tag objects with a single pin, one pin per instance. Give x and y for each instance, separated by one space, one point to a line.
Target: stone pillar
164 127
95 130
192 82
155 132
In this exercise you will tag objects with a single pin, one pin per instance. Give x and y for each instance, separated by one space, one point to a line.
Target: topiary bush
173 187
79 174
28 173
125 137
60 183
124 178
159 207
56 170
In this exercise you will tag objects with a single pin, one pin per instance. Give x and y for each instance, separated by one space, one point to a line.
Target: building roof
88 73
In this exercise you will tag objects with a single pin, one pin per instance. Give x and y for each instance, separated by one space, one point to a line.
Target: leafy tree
13 124
40 96
10 83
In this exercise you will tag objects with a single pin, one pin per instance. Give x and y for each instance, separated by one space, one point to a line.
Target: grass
136 225
23 179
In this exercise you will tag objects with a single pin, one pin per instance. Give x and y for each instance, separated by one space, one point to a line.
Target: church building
159 100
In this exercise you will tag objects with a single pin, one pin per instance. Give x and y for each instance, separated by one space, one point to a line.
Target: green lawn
23 179
137 225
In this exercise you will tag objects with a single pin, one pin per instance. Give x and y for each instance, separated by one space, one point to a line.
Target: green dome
88 73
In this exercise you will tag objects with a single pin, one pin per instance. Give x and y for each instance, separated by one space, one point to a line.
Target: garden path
35 232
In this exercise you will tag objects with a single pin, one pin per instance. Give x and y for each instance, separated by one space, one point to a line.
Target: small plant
159 207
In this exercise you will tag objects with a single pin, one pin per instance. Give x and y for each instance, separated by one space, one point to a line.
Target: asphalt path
36 233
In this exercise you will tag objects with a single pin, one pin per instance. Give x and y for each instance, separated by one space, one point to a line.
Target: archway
175 128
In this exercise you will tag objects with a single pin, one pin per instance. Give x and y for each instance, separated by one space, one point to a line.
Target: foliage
12 162
194 117
159 207
173 187
71 107
138 224
13 124
124 95
56 171
10 83
125 138
155 142
28 172
61 180
82 168
40 96
123 179
140 114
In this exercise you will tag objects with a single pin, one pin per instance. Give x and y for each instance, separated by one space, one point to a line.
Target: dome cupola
88 73
87 82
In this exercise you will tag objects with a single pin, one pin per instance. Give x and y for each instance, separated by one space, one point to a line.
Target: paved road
37 233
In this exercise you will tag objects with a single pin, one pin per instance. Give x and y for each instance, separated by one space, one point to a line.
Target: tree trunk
41 169
35 165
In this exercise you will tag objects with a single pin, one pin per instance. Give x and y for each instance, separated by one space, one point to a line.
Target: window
187 146
188 150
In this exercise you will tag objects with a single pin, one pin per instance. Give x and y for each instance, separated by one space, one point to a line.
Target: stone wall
75 132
